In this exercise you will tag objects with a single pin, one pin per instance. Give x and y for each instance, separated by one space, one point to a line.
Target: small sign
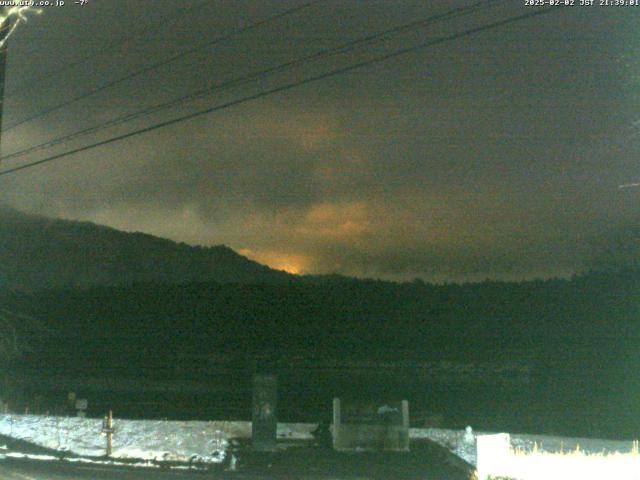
82 404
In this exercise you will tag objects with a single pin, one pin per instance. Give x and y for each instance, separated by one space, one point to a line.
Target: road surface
38 470
426 461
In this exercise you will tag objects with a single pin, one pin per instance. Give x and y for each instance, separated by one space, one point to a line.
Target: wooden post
110 434
107 428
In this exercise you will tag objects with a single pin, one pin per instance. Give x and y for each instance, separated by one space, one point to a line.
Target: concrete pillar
406 425
337 419
264 418
405 414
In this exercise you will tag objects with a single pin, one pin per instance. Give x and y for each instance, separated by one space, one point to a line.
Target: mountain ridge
38 252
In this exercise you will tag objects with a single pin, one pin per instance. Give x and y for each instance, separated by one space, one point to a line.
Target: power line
106 48
286 87
162 63
343 48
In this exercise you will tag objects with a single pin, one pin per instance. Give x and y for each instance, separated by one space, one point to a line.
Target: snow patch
132 439
149 440
463 443
197 442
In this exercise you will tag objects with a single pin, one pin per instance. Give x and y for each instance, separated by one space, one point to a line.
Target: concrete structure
264 417
371 425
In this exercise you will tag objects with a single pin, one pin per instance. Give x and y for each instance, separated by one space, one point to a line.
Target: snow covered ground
157 440
459 442
146 440
208 442
463 443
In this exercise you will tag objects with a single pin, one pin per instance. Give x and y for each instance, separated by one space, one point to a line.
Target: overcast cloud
498 155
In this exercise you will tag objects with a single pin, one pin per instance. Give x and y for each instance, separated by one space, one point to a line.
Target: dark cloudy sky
497 155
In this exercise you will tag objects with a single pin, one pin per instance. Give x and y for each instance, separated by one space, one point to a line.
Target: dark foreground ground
425 461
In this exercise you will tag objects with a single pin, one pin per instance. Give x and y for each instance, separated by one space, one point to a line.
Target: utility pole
5 29
3 65
10 17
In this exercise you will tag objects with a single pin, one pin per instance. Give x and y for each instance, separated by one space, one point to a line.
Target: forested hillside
38 253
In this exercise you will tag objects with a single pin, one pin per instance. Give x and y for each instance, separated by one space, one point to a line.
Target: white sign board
493 454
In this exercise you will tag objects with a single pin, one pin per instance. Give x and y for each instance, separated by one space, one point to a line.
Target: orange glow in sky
290 263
